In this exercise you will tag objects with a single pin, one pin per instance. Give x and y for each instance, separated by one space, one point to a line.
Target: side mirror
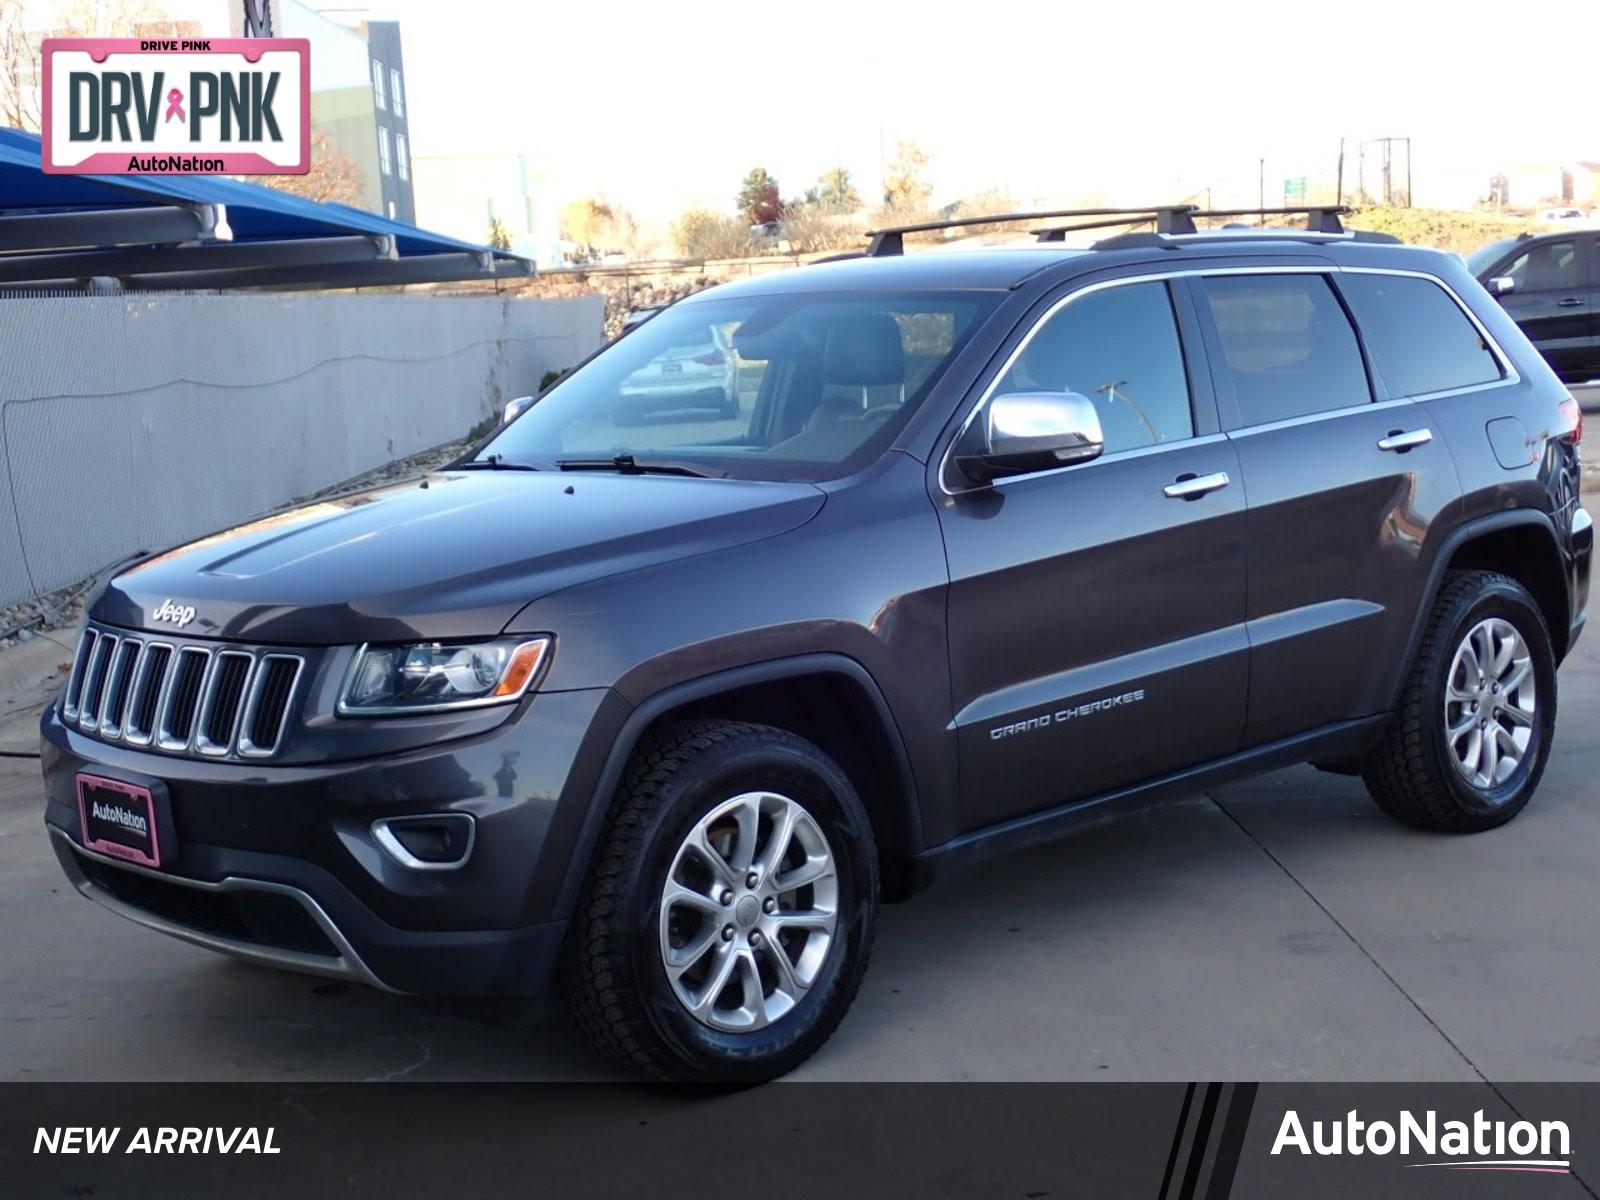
1030 431
1500 285
515 408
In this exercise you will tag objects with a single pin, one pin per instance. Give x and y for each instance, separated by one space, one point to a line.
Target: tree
835 191
333 177
904 188
758 200
499 236
702 234
21 70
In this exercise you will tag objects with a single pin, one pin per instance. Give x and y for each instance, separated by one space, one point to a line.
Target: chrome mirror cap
1500 285
515 408
1022 432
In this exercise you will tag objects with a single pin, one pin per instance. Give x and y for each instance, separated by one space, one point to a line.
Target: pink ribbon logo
175 105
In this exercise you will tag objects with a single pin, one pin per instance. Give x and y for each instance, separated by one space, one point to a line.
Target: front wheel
726 925
1470 742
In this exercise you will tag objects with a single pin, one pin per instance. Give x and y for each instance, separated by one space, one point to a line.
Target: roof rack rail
1320 218
1169 218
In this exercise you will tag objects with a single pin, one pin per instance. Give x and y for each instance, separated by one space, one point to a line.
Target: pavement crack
1381 969
427 1057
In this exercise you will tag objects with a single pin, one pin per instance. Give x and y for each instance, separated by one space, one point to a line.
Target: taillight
1573 412
714 359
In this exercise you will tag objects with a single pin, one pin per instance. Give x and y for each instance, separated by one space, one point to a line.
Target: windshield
790 387
1481 259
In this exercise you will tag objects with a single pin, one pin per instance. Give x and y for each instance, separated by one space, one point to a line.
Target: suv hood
454 556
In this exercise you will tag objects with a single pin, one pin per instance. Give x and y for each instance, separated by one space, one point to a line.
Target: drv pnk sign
191 106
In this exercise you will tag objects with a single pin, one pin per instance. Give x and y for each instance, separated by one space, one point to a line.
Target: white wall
131 423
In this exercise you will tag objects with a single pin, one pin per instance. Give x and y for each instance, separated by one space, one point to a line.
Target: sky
660 107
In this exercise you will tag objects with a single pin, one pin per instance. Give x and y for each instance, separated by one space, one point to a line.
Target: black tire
1412 772
612 975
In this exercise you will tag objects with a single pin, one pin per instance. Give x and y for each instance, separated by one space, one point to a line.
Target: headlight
435 676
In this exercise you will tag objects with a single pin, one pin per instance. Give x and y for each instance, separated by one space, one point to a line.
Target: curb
31 663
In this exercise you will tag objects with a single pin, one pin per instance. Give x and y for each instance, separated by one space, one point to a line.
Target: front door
1096 611
1550 299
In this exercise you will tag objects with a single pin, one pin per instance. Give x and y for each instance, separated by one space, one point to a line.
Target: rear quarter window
1419 339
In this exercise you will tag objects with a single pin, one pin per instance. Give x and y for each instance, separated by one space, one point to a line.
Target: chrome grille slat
80 661
144 696
191 672
223 697
180 697
94 681
119 675
281 674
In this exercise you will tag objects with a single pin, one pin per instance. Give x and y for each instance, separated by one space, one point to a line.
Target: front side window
1552 267
1119 347
1419 338
1287 344
783 387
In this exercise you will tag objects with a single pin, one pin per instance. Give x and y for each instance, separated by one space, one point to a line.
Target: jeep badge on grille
178 614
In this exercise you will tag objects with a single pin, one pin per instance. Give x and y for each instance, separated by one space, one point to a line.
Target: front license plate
120 819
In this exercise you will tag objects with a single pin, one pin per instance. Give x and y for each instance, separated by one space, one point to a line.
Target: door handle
1400 440
1569 302
1192 487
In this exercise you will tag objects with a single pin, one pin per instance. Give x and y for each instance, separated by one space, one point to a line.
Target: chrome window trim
245 747
1512 376
208 700
1316 418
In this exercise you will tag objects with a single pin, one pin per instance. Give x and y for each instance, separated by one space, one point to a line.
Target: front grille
180 698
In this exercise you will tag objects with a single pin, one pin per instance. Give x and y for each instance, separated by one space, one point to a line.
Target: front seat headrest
865 352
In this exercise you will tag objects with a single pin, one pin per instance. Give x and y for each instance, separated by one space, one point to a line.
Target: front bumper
280 865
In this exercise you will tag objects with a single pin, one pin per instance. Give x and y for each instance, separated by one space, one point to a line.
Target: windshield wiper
627 464
494 463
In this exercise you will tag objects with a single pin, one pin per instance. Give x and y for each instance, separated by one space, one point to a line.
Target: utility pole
1338 190
1261 190
1408 172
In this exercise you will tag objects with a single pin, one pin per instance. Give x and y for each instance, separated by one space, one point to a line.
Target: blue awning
253 213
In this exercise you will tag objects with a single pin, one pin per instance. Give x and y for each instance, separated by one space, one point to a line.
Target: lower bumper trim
345 963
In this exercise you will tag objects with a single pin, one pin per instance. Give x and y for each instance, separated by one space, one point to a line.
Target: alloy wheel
748 912
1490 702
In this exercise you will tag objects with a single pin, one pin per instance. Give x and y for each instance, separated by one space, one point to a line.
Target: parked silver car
697 372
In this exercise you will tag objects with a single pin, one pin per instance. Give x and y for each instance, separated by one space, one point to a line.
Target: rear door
1095 620
1342 485
1552 300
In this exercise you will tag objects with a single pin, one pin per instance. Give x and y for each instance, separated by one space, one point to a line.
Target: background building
360 133
465 194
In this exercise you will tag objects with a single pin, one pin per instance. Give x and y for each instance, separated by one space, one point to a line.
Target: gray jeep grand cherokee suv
996 544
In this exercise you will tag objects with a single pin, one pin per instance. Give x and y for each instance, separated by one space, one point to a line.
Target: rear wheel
1476 720
727 923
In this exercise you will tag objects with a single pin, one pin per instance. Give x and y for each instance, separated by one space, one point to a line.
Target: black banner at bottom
1029 1141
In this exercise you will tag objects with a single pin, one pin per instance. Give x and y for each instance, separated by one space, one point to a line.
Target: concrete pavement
1280 929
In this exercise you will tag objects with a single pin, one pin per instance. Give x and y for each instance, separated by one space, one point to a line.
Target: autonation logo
1478 1145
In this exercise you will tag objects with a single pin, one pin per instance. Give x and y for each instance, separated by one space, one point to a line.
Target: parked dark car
1550 284
1005 543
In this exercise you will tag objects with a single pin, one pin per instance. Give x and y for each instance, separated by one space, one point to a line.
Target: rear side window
1287 344
1419 338
1119 347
